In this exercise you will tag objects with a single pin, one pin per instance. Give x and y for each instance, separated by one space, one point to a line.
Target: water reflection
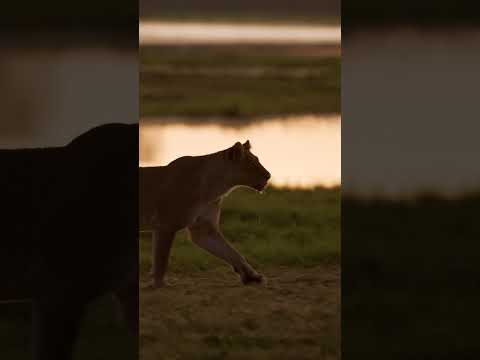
171 33
299 151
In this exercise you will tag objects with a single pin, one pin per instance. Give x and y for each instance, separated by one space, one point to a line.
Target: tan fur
187 193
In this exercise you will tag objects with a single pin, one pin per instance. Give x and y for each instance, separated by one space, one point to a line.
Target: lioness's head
245 168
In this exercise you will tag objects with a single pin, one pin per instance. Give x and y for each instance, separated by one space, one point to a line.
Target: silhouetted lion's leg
127 298
55 328
162 244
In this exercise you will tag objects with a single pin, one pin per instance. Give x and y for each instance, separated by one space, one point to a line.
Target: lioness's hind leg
154 240
161 246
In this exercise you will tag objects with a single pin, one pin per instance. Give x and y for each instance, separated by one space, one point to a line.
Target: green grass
280 227
237 82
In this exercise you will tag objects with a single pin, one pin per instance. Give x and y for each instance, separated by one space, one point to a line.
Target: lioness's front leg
206 234
161 246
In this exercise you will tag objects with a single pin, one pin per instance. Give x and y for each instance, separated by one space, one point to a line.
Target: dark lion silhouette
69 223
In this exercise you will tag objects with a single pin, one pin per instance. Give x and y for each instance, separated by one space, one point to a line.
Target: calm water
299 151
165 33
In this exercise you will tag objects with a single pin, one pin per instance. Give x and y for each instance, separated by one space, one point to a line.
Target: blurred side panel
410 180
65 68
53 95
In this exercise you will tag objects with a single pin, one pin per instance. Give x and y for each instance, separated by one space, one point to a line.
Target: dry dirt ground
210 315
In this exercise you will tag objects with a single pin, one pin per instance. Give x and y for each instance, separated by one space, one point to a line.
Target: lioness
70 232
187 193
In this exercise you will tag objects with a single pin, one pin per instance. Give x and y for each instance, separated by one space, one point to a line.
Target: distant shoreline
239 18
239 81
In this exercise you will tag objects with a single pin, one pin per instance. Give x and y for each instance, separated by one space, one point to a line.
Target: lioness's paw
153 285
148 287
248 279
151 273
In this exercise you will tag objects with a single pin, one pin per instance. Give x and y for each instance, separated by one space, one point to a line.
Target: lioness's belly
172 218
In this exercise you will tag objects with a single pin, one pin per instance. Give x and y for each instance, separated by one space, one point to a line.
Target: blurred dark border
372 14
60 24
409 266
32 87
319 11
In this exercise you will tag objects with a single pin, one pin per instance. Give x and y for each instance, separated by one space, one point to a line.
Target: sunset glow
301 151
206 33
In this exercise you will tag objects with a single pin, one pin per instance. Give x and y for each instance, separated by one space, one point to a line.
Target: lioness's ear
236 152
247 145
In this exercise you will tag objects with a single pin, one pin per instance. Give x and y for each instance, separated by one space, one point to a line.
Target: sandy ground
210 315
